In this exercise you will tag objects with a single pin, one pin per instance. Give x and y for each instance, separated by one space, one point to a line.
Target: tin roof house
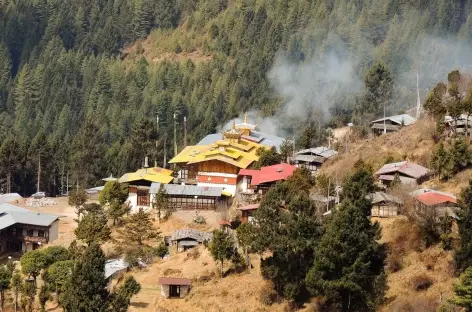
252 181
407 172
185 239
392 123
385 205
22 230
460 125
313 158
435 203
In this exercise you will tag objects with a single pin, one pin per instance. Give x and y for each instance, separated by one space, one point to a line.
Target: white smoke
316 84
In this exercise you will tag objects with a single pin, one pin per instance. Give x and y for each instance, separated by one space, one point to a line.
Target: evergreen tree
463 291
93 228
121 298
32 263
5 277
463 253
348 266
441 161
86 289
114 195
221 248
138 228
161 203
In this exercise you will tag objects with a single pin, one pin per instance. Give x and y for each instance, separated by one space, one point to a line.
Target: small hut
174 287
385 205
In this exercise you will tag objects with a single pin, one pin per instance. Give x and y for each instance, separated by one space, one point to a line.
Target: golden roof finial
245 118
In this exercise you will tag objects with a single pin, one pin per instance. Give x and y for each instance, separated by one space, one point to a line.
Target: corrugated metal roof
404 167
269 174
191 233
10 197
403 119
174 281
380 126
309 158
379 197
431 197
249 207
187 190
320 151
113 266
8 218
9 207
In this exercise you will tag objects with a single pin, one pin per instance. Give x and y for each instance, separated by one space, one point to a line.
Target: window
13 231
30 232
143 198
40 233
19 232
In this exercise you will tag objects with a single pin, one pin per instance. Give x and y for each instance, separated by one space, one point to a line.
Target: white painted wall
53 231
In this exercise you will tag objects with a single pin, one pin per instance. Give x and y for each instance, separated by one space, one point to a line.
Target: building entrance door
174 291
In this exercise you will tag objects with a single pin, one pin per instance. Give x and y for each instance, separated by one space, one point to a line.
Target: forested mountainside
73 99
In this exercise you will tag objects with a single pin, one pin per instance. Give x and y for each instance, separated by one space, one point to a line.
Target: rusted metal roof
192 234
430 197
379 197
174 281
404 167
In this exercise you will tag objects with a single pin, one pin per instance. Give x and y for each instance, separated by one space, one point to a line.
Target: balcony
35 239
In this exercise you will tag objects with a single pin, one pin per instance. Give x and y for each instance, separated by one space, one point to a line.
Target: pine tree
348 266
138 228
463 291
463 254
441 161
221 248
161 203
86 289
93 228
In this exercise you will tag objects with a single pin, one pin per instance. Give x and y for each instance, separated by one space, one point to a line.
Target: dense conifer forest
80 89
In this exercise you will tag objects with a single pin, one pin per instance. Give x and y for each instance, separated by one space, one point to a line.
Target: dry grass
413 143
418 266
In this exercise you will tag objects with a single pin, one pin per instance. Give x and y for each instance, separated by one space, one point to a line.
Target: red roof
433 198
249 207
174 281
269 174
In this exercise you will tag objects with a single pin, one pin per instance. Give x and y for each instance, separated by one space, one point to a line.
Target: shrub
161 251
193 254
200 220
421 282
394 263
267 295
414 304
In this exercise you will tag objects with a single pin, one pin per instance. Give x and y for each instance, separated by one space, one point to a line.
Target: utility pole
175 135
185 131
39 172
165 149
157 139
385 125
327 202
418 104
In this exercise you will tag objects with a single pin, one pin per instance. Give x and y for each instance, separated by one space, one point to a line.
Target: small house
259 181
385 205
22 230
459 125
185 239
140 183
407 173
174 287
435 203
391 124
313 158
193 196
248 212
